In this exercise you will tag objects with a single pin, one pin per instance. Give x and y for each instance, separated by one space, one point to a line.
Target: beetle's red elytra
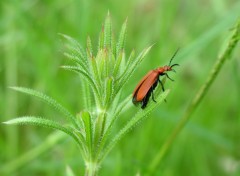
148 83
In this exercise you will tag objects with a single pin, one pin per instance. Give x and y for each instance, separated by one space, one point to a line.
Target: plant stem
91 168
197 99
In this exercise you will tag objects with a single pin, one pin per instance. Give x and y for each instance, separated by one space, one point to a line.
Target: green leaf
105 61
133 122
77 70
113 46
75 48
89 48
118 63
130 60
111 63
76 60
38 121
107 32
99 129
87 97
122 38
50 101
101 39
95 71
100 62
108 91
86 117
122 65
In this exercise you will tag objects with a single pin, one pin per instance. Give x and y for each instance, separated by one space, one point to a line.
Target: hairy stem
91 168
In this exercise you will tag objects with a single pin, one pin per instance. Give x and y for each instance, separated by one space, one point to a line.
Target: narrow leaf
122 38
38 121
117 64
99 129
105 63
111 63
85 116
75 47
108 90
76 60
113 46
50 101
100 61
107 32
89 48
87 96
95 71
130 59
101 39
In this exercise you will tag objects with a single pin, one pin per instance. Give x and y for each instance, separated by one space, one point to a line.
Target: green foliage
104 75
207 145
50 101
43 123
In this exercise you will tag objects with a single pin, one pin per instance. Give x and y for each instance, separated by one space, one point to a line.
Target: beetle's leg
153 95
144 102
161 85
174 65
162 88
168 77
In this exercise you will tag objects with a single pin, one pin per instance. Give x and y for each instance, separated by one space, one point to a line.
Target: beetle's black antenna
173 57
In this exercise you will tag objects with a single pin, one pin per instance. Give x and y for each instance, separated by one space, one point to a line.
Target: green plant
102 79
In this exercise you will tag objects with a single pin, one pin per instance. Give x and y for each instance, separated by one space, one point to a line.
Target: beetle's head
170 68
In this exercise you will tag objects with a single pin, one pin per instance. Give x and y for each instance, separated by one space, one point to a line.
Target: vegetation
97 105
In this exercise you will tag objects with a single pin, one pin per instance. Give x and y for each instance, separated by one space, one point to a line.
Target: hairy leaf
50 101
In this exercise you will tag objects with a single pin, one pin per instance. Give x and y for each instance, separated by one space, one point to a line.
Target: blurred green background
30 56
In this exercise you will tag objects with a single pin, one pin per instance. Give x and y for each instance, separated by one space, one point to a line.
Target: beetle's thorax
163 69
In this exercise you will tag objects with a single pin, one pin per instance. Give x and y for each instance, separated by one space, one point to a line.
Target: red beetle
145 87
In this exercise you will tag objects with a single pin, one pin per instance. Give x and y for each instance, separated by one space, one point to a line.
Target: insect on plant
148 83
102 75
